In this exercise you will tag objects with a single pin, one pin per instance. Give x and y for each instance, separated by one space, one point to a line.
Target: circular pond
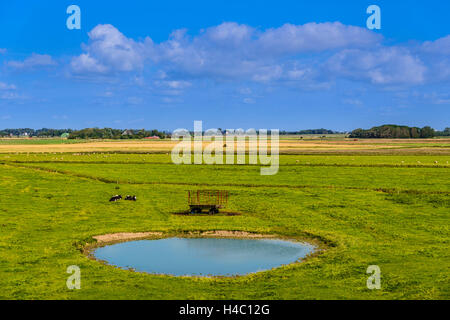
202 256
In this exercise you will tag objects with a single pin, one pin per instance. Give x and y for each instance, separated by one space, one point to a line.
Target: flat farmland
359 209
287 145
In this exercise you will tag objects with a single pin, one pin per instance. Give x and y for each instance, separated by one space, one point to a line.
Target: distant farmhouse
127 132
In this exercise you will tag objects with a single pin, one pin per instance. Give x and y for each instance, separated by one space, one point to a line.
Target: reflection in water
203 256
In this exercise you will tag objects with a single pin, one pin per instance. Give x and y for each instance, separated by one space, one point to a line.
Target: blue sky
233 64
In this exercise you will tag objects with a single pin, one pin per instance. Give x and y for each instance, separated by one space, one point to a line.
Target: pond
202 256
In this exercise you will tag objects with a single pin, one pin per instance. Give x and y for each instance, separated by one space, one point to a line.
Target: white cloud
440 46
140 81
437 98
315 37
297 74
442 69
354 102
228 34
9 92
85 63
173 84
267 73
171 88
35 60
6 86
108 94
169 100
310 55
229 50
385 66
8 95
108 51
135 100
437 56
245 90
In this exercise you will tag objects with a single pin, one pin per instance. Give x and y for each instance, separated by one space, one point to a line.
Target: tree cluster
394 132
109 133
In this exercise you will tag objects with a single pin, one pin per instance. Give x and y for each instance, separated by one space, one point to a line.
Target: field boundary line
426 166
400 151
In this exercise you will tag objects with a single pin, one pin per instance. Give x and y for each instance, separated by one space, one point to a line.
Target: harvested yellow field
285 146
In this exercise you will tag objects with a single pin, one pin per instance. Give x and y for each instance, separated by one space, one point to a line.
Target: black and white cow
131 198
115 198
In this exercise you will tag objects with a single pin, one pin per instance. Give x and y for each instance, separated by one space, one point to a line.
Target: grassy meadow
376 205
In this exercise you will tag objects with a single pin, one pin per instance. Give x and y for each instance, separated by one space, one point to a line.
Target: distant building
65 135
153 137
128 132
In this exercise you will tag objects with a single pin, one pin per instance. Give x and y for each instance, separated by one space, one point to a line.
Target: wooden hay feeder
210 200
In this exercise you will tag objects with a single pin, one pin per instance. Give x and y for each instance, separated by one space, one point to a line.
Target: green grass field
386 210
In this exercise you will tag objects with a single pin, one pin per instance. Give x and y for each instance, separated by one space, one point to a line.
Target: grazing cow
131 198
115 198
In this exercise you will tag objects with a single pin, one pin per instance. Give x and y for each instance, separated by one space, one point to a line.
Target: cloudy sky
233 64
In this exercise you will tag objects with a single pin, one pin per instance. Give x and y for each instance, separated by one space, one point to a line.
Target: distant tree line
310 131
445 133
384 131
283 132
109 133
394 132
88 133
42 133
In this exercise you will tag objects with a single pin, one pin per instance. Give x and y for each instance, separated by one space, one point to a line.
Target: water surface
202 256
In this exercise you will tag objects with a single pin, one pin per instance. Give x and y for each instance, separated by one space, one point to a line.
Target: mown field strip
445 166
130 182
287 147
